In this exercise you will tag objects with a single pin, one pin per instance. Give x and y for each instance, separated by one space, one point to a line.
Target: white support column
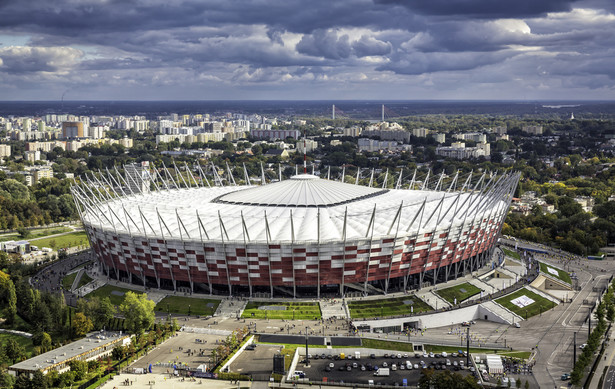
228 269
426 181
246 239
397 220
166 248
292 252
370 227
268 235
343 251
149 246
202 231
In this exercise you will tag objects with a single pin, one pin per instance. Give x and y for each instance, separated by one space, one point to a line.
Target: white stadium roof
303 208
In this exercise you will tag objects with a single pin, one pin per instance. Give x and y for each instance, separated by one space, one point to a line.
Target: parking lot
361 371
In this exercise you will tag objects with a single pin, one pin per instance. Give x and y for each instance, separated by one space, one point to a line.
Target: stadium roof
304 190
303 208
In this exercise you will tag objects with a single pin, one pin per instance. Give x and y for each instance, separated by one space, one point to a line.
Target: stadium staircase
230 308
503 313
482 285
77 279
508 273
430 299
334 308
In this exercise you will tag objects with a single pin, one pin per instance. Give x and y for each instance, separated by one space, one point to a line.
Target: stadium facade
304 236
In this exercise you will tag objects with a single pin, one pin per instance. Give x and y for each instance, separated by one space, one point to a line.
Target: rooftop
62 354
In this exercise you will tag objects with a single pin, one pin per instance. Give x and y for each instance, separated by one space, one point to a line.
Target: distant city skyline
274 50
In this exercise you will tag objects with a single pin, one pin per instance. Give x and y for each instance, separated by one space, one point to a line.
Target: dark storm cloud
488 9
296 44
325 44
368 46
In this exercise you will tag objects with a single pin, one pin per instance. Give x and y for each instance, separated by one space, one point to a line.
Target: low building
533 130
18 247
282 153
275 134
95 345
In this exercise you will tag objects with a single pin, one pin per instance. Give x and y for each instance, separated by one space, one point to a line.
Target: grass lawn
561 275
22 340
387 307
177 304
41 232
293 311
35 233
386 345
460 292
539 305
106 291
510 253
85 279
68 240
5 238
67 281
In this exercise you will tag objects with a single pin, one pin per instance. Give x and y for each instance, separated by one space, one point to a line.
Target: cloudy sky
298 49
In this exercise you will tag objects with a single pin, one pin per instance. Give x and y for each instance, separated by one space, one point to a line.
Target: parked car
565 377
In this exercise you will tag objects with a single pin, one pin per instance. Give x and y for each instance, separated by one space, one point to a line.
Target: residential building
275 134
34 155
71 130
420 132
310 145
137 177
533 130
5 150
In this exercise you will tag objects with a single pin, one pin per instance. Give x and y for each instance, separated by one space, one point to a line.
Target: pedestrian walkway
432 299
332 308
606 361
77 279
230 308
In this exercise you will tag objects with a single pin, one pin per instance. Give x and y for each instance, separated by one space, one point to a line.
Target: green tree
6 380
23 232
46 342
22 382
82 324
138 312
80 368
38 380
13 350
527 384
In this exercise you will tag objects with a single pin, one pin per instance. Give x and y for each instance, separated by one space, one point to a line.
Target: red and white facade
302 236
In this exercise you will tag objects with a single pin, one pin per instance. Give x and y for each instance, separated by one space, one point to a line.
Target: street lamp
307 359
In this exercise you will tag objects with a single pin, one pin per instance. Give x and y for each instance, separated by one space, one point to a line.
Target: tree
22 382
82 324
80 368
8 297
23 233
13 350
138 312
38 380
6 380
527 384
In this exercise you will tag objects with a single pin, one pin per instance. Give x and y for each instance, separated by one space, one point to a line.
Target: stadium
299 237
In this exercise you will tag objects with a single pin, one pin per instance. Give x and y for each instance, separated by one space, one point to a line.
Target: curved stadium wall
304 236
